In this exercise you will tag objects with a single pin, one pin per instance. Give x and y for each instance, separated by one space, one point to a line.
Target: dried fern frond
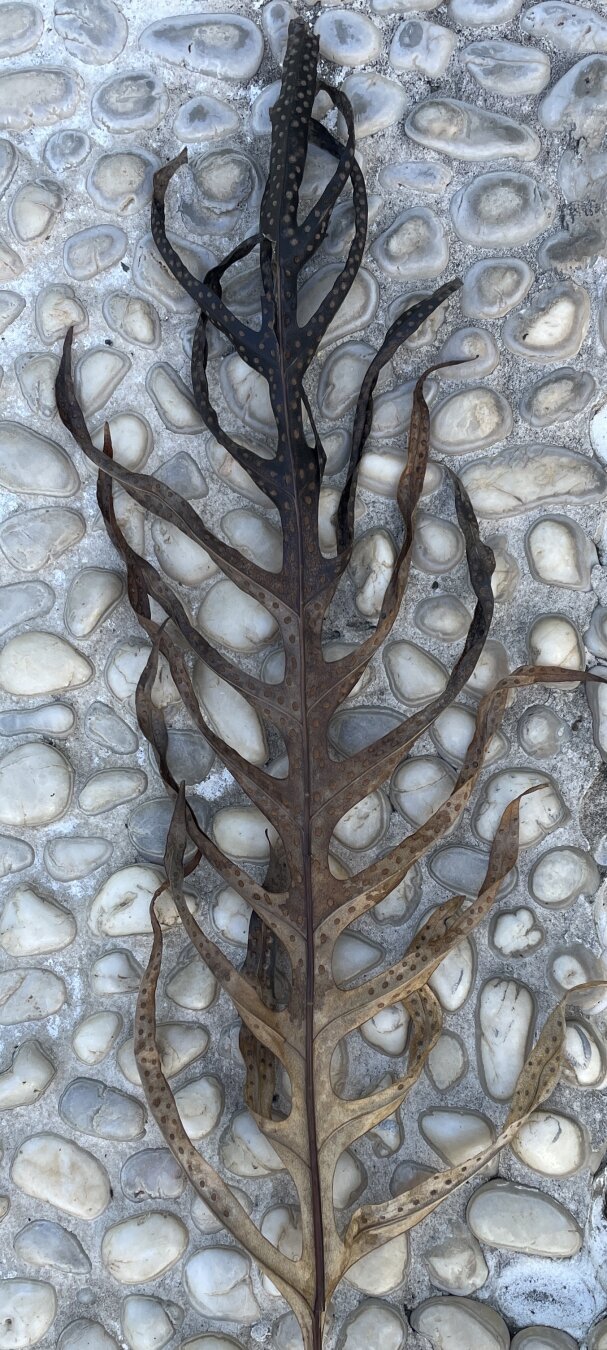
301 909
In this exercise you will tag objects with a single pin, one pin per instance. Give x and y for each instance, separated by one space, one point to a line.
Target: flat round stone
29 995
465 131
520 1219
35 785
22 27
414 245
521 478
552 326
376 101
27 1078
33 464
502 209
224 46
137 101
493 286
143 1248
507 68
422 46
66 149
348 38
27 1310
205 118
578 101
471 419
45 1243
58 1172
94 33
93 250
41 663
37 96
121 183
94 1108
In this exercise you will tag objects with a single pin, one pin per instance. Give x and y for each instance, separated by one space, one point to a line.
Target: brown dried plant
301 909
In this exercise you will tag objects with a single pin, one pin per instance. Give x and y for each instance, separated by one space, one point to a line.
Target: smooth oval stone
552 326
473 352
506 1015
559 553
353 729
551 1144
230 617
414 245
45 1243
86 1335
451 1323
228 714
562 875
106 728
465 131
37 96
200 1104
23 601
121 183
455 1135
95 1035
136 101
189 756
124 667
93 33
348 38
181 557
377 102
191 985
523 477
422 46
421 175
58 309
456 1264
371 565
92 596
27 1078
32 924
415 677
15 855
151 275
226 46
97 376
471 419
420 785
493 286
569 28
95 1108
584 1055
147 1321
357 311
443 617
502 209
545 1338
557 397
461 869
27 1310
29 995
110 788
447 1063
34 209
121 906
36 373
117 972
254 537
507 68
452 734
521 1219
243 833
41 663
66 150
30 463
133 318
541 733
11 306
578 101
152 1174
93 250
143 1248
55 1170
515 933
51 719
22 27
132 438
179 1045
205 118
554 641
218 1284
540 812
173 400
224 184
148 826
35 785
